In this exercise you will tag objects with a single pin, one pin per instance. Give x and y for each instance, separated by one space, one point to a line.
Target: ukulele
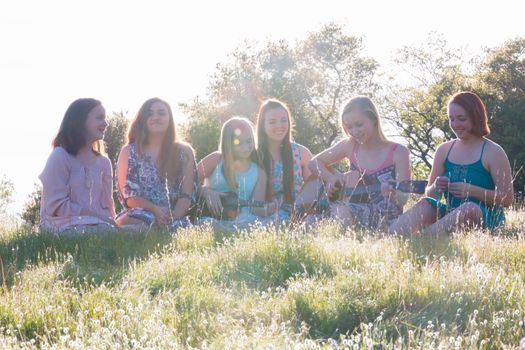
231 204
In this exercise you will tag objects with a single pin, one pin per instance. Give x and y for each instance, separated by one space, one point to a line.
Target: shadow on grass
96 258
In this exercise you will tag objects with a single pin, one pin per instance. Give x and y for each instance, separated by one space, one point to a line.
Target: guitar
315 199
361 193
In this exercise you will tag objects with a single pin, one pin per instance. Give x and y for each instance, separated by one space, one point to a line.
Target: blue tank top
245 181
474 174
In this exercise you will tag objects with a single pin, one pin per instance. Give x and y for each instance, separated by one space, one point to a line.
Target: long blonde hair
365 105
230 131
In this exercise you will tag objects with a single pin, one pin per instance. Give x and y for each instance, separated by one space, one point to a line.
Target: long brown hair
229 133
72 133
286 149
168 162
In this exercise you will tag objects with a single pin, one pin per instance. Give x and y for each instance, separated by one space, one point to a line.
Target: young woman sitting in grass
234 170
285 161
77 181
156 172
373 159
471 173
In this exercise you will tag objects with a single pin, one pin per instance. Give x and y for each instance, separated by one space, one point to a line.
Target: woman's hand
442 184
387 190
273 206
335 183
162 215
459 189
213 200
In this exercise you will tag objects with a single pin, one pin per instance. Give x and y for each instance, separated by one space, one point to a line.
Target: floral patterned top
143 180
277 174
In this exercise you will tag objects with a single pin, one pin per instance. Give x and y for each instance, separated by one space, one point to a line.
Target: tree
501 85
114 138
31 211
115 135
6 193
418 109
201 130
313 77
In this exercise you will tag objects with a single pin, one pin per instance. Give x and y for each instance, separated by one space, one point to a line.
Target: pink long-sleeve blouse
69 187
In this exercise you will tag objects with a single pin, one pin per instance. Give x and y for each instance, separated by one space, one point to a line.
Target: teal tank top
474 174
245 181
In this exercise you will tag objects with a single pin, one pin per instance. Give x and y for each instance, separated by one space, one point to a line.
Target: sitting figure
470 173
77 181
285 161
234 170
156 172
375 165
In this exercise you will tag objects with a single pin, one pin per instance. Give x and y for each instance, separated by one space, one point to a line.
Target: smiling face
158 118
96 124
459 121
276 124
243 143
358 125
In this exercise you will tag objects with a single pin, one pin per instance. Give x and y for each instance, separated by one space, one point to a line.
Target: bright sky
124 52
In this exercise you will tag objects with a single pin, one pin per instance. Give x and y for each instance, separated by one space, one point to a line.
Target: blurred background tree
416 105
115 137
500 81
31 210
7 190
313 76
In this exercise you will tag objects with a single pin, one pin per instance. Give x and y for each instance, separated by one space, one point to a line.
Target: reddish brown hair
475 109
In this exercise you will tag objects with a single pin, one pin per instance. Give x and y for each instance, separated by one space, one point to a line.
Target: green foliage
203 128
313 77
31 211
418 110
501 84
114 138
267 260
116 135
296 288
6 193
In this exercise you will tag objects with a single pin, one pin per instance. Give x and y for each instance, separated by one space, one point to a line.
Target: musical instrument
231 204
315 199
361 193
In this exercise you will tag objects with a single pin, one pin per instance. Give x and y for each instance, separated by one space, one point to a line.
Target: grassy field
323 288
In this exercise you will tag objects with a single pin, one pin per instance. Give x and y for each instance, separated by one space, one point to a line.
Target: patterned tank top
380 208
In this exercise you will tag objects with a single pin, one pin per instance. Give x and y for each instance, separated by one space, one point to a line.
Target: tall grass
326 287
